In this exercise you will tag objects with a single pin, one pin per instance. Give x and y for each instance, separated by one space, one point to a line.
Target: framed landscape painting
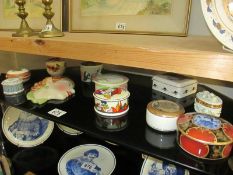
159 17
35 8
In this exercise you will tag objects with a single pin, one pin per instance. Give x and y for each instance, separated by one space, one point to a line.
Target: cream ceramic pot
111 102
162 115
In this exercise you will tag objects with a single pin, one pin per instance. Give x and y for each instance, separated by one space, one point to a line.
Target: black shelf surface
81 116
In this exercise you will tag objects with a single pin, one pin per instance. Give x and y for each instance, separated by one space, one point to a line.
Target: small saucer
68 130
87 159
24 129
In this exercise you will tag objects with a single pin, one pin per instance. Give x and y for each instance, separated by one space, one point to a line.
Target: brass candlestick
49 30
24 29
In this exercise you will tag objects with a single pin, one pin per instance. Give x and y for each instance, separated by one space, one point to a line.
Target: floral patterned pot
111 102
205 136
55 67
89 70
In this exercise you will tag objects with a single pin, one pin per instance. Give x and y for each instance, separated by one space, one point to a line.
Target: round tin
111 101
105 81
12 86
23 73
108 123
205 136
162 115
208 103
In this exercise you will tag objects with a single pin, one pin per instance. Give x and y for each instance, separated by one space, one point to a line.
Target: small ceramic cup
55 67
89 70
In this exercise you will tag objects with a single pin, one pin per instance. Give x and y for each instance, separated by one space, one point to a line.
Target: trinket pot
205 136
24 74
175 85
55 67
162 115
12 86
208 103
89 70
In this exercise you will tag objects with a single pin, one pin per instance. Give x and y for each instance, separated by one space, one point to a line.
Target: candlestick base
50 31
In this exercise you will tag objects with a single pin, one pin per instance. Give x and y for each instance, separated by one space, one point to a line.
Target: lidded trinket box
208 103
175 85
205 136
23 73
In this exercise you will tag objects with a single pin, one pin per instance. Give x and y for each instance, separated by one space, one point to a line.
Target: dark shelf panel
81 116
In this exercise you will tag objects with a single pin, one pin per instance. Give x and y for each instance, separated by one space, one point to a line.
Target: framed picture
159 17
34 8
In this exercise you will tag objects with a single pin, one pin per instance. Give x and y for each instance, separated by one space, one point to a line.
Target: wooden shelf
193 55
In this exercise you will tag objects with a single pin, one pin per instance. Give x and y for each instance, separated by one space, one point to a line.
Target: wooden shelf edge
195 56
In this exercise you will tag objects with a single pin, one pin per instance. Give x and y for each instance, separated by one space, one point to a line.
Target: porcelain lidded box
55 66
205 136
105 81
162 115
111 102
175 85
208 103
12 86
23 73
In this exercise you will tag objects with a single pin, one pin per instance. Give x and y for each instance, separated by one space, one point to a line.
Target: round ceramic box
105 81
16 99
108 123
162 115
111 102
205 136
208 103
89 70
24 74
12 86
55 67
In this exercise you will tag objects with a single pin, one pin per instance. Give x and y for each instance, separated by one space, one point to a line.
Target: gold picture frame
155 17
35 8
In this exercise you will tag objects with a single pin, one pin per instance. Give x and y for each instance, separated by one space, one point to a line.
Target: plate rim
20 143
67 132
85 145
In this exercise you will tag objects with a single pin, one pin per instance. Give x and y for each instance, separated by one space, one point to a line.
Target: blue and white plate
68 130
89 159
153 166
24 129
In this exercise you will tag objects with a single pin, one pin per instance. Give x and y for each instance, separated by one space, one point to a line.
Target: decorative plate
89 159
219 18
153 166
68 130
24 129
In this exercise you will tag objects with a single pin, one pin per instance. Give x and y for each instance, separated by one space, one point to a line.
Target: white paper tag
120 26
57 112
48 27
88 166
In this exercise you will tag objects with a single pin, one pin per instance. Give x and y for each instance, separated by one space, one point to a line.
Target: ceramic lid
165 108
111 94
87 159
68 130
18 72
24 129
208 97
110 79
174 79
205 128
153 166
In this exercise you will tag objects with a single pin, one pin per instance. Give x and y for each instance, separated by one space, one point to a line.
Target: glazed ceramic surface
16 99
68 130
24 129
105 81
23 73
153 166
177 86
208 103
113 101
162 115
160 139
108 123
219 18
12 86
89 70
55 67
205 136
89 159
51 88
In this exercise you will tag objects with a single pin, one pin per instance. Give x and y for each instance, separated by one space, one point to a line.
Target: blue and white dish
153 166
24 129
88 159
68 130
